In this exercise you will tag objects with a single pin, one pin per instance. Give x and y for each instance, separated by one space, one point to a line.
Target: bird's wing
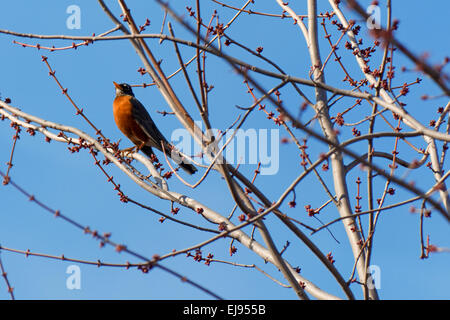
155 136
146 123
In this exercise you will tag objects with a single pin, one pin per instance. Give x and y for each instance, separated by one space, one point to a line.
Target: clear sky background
73 184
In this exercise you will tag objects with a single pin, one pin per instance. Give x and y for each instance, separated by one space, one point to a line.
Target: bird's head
123 89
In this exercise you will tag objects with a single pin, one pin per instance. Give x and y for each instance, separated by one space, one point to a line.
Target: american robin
134 121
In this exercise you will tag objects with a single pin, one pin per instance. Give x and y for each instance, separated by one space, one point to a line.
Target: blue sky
73 184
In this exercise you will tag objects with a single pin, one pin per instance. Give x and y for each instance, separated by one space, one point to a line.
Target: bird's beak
117 85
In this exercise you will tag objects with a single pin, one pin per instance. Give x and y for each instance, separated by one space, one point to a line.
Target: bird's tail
188 167
180 160
175 156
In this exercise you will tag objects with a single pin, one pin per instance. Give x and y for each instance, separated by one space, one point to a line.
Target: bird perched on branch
134 121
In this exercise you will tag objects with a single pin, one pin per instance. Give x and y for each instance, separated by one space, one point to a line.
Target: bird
135 122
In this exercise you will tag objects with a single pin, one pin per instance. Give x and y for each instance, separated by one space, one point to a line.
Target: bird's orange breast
125 121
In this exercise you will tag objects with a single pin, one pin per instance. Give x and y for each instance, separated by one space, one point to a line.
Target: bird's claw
126 152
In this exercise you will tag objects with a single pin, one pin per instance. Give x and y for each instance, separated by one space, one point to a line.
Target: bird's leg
140 146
